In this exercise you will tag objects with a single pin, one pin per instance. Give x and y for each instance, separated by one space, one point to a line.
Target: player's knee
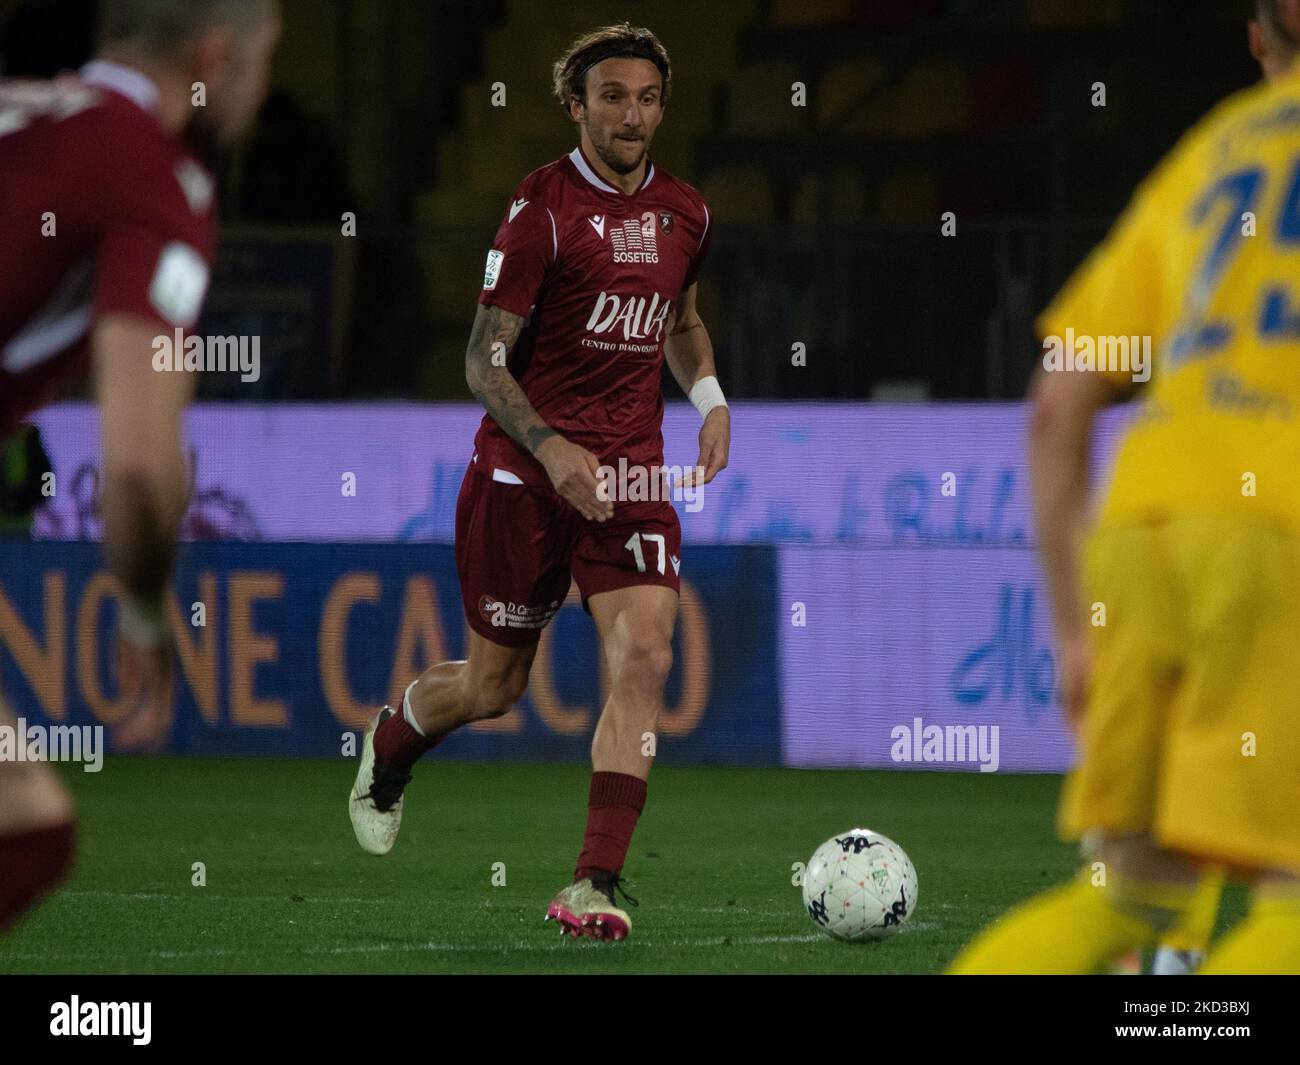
644 661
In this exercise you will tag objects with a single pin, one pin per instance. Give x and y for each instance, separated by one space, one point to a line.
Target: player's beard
618 164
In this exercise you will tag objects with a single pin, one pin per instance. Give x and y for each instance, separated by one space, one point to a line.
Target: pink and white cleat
586 908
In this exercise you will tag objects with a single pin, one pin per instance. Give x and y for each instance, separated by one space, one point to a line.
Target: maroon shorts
517 548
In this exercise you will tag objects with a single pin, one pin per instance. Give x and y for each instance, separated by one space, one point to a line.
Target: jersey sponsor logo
516 207
180 283
634 240
598 224
638 317
492 270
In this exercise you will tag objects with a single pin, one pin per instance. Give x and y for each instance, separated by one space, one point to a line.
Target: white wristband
706 394
143 625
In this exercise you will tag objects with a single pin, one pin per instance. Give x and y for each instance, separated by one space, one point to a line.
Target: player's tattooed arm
491 382
572 469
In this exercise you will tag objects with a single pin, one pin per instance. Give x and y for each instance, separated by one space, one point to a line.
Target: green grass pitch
289 891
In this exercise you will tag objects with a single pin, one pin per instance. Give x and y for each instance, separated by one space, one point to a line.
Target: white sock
406 708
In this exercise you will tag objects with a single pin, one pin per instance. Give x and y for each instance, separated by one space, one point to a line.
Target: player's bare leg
485 685
441 700
636 632
37 827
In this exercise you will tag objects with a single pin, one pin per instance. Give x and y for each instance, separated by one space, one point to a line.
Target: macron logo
677 564
516 207
598 224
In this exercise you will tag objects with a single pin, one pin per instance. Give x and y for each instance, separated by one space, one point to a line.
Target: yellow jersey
1204 265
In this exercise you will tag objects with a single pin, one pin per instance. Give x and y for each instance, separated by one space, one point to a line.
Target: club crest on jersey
639 318
634 240
665 222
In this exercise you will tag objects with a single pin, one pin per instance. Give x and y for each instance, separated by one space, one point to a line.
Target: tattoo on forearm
492 383
536 435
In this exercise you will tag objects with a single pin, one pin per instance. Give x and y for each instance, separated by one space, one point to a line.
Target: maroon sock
613 806
31 863
398 746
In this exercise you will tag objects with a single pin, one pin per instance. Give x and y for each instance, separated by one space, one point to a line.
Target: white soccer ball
860 885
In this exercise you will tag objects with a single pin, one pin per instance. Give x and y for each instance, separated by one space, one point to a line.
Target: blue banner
283 649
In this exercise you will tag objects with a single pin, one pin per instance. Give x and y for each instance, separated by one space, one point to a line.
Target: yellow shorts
1192 729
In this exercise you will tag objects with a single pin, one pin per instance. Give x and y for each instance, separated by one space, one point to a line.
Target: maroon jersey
101 211
597 273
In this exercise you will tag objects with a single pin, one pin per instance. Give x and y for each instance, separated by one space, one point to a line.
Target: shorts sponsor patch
515 615
493 269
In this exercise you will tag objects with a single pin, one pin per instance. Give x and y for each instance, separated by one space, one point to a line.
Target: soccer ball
859 885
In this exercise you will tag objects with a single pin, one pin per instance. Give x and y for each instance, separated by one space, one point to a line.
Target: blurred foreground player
1185 699
590 284
108 223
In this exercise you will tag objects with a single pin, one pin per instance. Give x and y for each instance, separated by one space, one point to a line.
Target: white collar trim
137 87
584 168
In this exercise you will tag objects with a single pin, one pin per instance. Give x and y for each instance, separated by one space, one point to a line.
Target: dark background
827 216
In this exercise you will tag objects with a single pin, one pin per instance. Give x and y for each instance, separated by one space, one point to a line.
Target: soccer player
589 286
108 230
1185 697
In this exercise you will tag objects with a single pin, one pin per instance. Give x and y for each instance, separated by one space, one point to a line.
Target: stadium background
836 590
